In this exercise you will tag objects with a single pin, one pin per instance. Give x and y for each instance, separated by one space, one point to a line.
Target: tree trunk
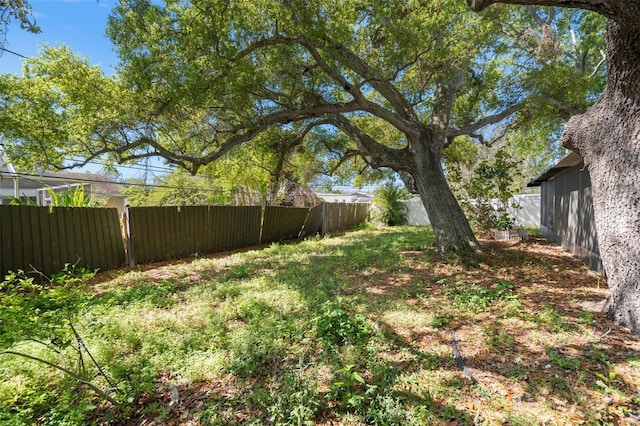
616 197
607 136
421 159
449 223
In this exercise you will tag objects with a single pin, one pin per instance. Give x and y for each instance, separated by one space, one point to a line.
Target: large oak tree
198 80
607 137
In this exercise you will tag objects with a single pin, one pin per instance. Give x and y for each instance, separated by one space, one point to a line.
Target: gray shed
566 209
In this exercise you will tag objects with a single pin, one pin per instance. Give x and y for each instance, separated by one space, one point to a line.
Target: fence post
323 223
263 208
127 225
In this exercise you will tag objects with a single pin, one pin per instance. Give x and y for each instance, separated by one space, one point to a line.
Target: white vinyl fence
528 215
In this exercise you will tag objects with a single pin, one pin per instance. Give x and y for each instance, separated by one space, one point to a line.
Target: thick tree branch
445 95
617 10
350 153
404 111
355 63
386 89
125 149
381 155
485 121
409 181
565 110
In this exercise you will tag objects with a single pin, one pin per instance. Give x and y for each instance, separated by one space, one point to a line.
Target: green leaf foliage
388 204
254 85
19 11
486 189
72 198
39 311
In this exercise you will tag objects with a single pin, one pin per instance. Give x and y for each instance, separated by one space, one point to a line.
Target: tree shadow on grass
550 291
520 344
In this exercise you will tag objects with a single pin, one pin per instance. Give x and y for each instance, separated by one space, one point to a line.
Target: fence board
54 233
97 250
116 235
18 216
69 243
46 255
89 252
111 238
81 228
103 231
341 216
217 228
184 225
200 218
12 227
6 248
59 234
81 258
246 225
174 230
157 230
282 223
32 238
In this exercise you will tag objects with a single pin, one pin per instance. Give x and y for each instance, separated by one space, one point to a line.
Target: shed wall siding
566 215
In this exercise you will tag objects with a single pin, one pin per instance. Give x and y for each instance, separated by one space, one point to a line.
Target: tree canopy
197 80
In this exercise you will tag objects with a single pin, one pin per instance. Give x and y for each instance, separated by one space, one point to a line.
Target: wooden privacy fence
337 216
44 238
164 233
334 217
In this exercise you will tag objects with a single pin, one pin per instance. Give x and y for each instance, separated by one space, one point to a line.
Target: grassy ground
352 329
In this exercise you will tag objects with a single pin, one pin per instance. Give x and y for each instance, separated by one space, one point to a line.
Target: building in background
352 197
32 188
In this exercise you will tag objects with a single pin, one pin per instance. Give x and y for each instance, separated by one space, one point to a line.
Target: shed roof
570 160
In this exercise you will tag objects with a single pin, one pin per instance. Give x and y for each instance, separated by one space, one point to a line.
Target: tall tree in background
607 137
386 85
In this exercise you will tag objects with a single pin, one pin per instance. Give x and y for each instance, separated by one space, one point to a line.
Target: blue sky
79 24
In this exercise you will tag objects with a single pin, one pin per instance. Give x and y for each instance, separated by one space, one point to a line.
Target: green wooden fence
338 216
164 233
282 223
45 239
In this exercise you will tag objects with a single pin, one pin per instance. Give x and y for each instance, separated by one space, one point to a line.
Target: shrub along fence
44 238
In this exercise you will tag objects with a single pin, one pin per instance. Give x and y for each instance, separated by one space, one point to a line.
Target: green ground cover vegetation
347 329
